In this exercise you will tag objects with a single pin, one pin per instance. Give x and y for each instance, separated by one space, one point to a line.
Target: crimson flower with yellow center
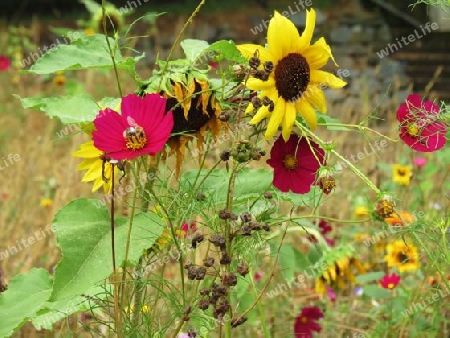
306 322
296 83
143 128
295 164
390 282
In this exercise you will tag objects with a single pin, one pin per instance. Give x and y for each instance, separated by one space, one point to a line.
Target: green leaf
193 48
53 312
375 291
83 53
25 296
83 233
228 50
370 277
325 119
287 261
69 109
250 184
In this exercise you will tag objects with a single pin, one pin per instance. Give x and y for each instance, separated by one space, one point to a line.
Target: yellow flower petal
307 112
275 119
248 50
305 39
87 150
261 114
288 121
314 95
257 84
318 54
326 79
282 44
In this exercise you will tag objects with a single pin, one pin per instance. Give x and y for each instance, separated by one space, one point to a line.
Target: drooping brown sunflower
194 105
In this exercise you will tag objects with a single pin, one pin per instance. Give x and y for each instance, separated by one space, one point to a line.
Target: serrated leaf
83 233
228 50
83 53
69 109
25 296
193 48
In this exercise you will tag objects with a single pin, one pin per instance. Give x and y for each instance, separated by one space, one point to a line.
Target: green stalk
342 158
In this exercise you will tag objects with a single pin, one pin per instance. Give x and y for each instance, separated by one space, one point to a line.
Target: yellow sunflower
338 271
401 174
95 167
402 255
296 83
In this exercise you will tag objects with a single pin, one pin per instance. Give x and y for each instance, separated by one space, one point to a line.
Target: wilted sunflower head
194 104
336 269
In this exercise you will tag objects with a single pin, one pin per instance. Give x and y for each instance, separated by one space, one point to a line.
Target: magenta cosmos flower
306 323
5 63
420 127
142 128
294 164
390 282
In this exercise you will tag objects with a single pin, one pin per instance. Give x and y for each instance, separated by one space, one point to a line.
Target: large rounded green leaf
84 236
25 296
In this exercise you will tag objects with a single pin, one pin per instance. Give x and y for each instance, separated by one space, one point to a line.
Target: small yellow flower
144 309
95 167
296 83
89 32
361 211
401 174
59 80
402 255
46 202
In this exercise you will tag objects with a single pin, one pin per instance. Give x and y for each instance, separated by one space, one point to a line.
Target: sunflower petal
262 113
318 54
314 95
326 79
307 112
288 121
282 36
257 84
249 49
276 118
305 39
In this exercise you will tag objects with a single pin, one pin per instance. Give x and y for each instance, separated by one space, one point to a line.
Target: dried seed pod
268 195
208 262
229 279
225 155
268 66
225 259
266 226
242 268
200 196
205 291
246 217
254 62
203 304
256 102
218 240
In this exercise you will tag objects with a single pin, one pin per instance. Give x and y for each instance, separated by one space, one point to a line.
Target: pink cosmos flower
306 323
420 127
419 162
142 128
294 164
5 63
390 282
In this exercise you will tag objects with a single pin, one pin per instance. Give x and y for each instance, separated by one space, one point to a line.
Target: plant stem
117 319
342 158
177 40
109 47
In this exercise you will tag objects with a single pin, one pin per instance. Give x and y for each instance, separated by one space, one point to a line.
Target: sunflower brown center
290 162
401 172
135 138
402 258
292 76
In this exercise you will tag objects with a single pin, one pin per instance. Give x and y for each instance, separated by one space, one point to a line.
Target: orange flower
400 219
